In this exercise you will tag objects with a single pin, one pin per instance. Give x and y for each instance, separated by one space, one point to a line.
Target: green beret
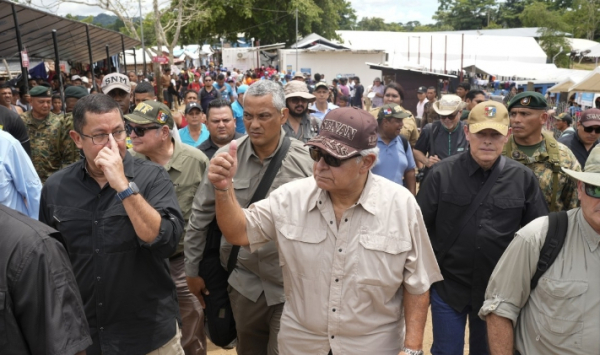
40 91
528 99
76 91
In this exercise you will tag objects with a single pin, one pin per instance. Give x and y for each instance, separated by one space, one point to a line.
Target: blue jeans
449 329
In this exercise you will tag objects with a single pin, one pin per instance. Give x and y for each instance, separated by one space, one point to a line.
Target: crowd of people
281 213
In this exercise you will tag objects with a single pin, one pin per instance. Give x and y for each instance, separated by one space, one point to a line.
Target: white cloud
396 10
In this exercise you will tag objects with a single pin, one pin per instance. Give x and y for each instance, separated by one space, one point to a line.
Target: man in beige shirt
562 314
150 127
256 291
357 262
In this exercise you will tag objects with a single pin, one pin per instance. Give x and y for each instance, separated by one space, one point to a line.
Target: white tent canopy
581 44
591 83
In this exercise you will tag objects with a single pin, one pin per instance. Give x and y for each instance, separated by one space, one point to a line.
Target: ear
367 163
580 191
544 117
284 115
76 137
467 133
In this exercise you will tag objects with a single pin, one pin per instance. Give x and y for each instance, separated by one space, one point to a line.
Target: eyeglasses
102 139
592 190
330 160
139 131
297 99
595 129
449 117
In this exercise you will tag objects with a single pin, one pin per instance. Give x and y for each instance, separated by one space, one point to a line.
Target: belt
176 255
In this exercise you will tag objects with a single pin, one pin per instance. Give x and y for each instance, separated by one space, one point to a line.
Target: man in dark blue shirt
585 137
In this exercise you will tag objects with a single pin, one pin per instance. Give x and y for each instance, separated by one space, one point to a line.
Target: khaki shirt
186 170
51 145
344 285
562 315
260 271
305 130
409 126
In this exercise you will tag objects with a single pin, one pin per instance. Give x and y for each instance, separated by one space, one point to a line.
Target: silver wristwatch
411 351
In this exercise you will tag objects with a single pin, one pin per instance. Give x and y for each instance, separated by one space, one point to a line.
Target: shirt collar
589 234
174 162
472 165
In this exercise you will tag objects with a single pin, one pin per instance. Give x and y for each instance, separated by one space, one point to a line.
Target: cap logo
387 111
143 108
490 111
162 117
115 79
341 129
525 101
592 116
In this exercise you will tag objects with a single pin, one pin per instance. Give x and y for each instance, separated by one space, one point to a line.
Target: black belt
176 256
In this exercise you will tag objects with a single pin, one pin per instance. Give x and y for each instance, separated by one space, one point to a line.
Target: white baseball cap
115 81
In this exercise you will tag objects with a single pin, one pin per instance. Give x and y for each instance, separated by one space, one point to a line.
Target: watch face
134 188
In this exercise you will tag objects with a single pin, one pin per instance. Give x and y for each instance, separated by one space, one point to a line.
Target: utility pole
142 32
297 39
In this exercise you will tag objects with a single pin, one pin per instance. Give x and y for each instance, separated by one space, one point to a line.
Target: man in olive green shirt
562 314
51 146
256 291
150 127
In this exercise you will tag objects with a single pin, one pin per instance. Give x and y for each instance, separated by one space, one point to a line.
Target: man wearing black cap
563 123
356 259
586 137
539 151
51 146
421 95
195 132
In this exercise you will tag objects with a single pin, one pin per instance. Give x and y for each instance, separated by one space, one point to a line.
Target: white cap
115 81
75 77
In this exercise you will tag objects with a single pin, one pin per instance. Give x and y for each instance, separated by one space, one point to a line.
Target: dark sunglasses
594 129
592 190
330 160
449 117
139 131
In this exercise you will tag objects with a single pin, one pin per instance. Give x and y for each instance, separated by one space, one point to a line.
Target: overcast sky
390 10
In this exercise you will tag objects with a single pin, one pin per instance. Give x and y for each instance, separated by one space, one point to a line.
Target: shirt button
320 203
346 220
333 309
480 226
100 304
340 250
101 329
333 336
95 222
98 278
336 280
97 251
330 222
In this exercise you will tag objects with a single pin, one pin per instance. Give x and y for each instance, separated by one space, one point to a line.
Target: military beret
76 91
40 91
528 99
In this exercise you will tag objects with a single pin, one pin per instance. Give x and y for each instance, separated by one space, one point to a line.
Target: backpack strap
554 155
404 143
558 223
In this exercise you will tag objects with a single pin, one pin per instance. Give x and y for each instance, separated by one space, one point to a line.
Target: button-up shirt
40 306
562 314
321 114
305 130
209 147
186 170
573 142
258 272
129 297
514 200
421 108
344 284
20 186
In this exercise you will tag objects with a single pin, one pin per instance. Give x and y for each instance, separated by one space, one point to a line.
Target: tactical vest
551 160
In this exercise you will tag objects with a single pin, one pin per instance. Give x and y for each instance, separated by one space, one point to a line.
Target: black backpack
558 223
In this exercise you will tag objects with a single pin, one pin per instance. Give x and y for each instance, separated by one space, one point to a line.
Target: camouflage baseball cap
528 99
489 114
392 111
151 112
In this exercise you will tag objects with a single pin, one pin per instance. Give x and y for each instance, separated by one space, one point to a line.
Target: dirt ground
427 341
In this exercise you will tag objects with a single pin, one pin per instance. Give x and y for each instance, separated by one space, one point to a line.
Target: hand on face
109 160
223 167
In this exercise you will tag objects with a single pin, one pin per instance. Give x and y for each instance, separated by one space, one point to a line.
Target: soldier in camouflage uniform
51 147
540 151
72 95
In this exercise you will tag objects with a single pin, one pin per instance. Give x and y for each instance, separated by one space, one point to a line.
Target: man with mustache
297 99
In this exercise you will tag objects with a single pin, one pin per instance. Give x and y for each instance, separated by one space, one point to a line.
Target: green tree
465 14
551 39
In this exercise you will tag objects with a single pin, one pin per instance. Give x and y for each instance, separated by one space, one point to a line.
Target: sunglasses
449 117
330 160
595 129
139 131
592 190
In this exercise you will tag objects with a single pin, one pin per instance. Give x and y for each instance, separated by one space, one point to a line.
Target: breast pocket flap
506 203
63 214
561 326
302 234
456 199
386 244
563 289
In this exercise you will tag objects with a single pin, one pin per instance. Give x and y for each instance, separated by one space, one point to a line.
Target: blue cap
242 89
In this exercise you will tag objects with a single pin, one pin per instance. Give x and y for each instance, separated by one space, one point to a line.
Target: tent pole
89 44
462 51
57 65
24 72
134 62
107 61
124 60
445 53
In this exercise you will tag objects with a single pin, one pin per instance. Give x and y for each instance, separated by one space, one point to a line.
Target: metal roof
36 34
424 72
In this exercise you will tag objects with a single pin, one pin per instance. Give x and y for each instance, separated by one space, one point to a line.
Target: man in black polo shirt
468 260
120 220
443 138
221 125
585 137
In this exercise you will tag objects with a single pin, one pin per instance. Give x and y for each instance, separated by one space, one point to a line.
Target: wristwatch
131 190
411 351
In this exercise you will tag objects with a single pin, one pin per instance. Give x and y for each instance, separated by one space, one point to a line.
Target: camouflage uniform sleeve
569 192
70 153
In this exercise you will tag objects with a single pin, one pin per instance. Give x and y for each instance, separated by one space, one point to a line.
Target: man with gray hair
357 262
256 283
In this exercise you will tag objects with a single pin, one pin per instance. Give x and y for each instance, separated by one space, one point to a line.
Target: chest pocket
561 313
118 234
305 246
77 228
378 261
506 214
242 191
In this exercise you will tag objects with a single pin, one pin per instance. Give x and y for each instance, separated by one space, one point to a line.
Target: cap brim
136 117
333 147
586 177
304 95
109 88
591 123
498 127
